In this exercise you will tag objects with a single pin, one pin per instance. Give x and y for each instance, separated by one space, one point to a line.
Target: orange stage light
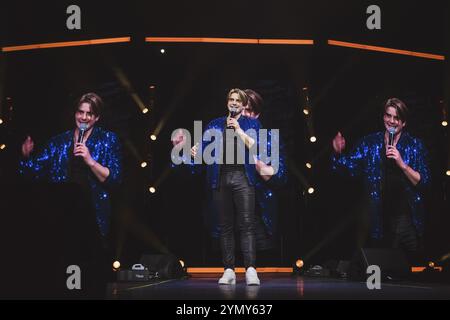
241 270
384 49
66 44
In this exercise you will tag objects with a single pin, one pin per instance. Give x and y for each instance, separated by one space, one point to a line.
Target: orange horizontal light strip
66 44
241 270
205 40
229 40
384 49
420 269
285 41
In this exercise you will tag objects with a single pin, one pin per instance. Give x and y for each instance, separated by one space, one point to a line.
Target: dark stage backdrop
347 88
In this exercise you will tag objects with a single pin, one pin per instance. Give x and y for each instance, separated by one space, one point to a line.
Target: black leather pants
235 200
400 233
404 236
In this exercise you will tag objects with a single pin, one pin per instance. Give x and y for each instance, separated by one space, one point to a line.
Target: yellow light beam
66 44
384 49
125 82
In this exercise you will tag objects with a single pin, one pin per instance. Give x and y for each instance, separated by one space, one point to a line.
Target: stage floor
273 287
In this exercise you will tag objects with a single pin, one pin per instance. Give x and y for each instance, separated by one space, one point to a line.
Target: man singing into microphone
87 156
231 181
394 168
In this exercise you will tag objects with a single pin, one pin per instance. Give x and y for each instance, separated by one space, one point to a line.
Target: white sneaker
229 277
251 277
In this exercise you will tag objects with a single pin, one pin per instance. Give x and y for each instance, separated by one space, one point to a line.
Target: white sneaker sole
253 283
227 282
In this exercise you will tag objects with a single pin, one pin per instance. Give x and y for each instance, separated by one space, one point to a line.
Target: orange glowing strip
66 44
420 269
165 39
229 40
384 49
285 41
240 270
205 40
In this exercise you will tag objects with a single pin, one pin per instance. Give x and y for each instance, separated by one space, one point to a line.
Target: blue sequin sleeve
419 163
113 160
187 162
37 166
351 162
280 178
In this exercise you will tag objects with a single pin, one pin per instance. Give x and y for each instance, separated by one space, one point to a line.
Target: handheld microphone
391 136
82 131
233 113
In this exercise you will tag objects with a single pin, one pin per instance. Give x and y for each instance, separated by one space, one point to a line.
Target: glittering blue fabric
52 164
366 160
266 200
265 195
265 190
213 170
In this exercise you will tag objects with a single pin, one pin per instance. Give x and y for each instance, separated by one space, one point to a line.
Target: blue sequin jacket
213 170
266 199
366 160
52 164
265 195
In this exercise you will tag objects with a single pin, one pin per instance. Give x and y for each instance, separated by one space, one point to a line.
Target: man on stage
231 179
88 156
394 168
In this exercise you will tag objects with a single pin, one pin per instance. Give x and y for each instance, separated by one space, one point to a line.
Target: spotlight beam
133 150
328 238
195 68
162 177
130 224
297 173
2 81
125 82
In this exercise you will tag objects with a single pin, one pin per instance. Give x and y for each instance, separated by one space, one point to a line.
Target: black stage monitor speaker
166 265
392 262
